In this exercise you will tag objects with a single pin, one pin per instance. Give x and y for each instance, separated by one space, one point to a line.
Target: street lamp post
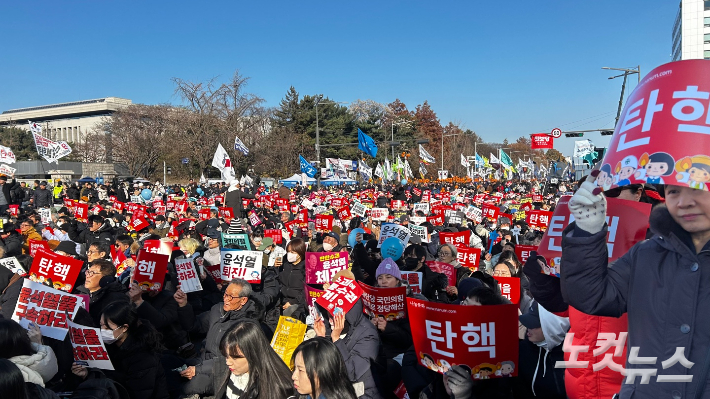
626 73
401 122
442 146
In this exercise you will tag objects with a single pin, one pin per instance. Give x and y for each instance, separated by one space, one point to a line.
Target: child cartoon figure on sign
605 178
694 171
625 169
654 167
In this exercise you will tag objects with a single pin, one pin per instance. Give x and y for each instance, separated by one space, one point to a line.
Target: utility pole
164 173
626 73
317 101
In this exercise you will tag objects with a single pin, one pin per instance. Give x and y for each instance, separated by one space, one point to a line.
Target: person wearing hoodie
233 198
37 362
539 352
102 287
358 342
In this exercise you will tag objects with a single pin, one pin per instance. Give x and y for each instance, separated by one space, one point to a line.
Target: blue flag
307 168
239 146
479 160
366 144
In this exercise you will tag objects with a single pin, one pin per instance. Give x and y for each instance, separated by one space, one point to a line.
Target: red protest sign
58 270
627 221
490 211
119 206
302 218
537 218
441 267
509 288
226 212
180 207
541 141
457 239
150 271
469 257
388 303
536 198
37 245
158 247
344 213
484 338
46 307
523 252
204 214
324 223
437 220
426 196
414 280
138 223
340 296
664 131
81 212
397 204
275 235
322 266
88 346
216 272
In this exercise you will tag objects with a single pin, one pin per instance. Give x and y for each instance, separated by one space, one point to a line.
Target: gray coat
665 288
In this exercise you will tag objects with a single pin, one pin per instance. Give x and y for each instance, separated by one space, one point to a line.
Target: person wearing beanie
388 274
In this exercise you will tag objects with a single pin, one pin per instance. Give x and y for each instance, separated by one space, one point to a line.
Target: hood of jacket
38 367
554 327
663 224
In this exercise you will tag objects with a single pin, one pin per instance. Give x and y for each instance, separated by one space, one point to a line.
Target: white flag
464 162
408 170
422 170
222 162
35 127
378 171
365 170
425 156
46 148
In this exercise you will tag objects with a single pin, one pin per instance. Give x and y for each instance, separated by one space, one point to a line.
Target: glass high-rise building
691 31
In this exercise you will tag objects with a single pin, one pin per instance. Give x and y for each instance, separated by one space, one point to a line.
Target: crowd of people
215 343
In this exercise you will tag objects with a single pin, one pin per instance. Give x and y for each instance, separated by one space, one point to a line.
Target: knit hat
388 266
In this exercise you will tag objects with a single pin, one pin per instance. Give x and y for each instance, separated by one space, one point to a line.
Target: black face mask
411 263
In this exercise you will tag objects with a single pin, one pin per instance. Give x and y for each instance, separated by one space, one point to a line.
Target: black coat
12 244
162 311
267 292
105 234
293 279
233 199
10 286
10 190
537 372
111 292
434 284
43 198
138 369
396 338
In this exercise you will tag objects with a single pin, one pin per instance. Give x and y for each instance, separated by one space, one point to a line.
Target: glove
588 206
459 382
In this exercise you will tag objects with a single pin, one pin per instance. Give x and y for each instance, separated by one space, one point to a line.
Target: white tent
336 181
296 179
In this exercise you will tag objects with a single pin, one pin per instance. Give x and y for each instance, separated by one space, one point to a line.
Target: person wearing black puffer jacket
102 287
11 240
98 230
42 198
292 278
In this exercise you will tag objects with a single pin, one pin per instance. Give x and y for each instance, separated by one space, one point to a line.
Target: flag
365 170
479 160
306 167
443 174
495 163
222 162
388 170
366 144
424 156
422 170
378 171
408 170
35 127
486 163
202 179
239 146
505 160
464 162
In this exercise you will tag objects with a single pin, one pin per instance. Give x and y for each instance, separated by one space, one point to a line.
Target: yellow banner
288 335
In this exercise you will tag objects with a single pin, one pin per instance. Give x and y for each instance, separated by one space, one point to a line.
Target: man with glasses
236 306
27 229
102 287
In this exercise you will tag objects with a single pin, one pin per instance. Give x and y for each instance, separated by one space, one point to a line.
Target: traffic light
574 134
606 132
170 170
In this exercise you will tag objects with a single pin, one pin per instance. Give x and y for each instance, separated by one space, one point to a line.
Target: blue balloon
404 182
199 191
392 248
146 194
351 236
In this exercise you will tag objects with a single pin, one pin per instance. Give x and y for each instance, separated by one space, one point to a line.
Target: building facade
68 122
691 31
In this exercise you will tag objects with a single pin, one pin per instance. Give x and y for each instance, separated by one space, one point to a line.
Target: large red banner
627 221
541 141
663 134
388 303
484 338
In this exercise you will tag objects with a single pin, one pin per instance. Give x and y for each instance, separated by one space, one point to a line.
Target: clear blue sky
500 68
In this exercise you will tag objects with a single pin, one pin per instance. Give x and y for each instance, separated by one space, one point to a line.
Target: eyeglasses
501 273
90 273
444 253
92 251
229 297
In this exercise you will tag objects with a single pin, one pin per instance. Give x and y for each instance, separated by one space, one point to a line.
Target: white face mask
327 246
291 257
108 337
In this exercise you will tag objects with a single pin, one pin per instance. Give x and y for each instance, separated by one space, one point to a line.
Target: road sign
556 133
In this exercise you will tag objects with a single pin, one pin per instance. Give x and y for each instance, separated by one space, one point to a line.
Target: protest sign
45 307
241 240
204 214
509 287
419 231
324 223
454 217
474 214
484 338
81 211
344 213
226 212
245 265
398 231
417 220
58 271
537 218
274 234
150 270
523 252
138 223
288 335
469 257
670 101
158 247
397 204
37 245
6 155
490 212
311 295
187 275
379 214
254 218
426 196
340 296
306 203
627 221
6 170
89 347
441 267
422 207
13 265
414 279
457 239
437 220
388 303
216 272
541 140
14 210
322 266
358 209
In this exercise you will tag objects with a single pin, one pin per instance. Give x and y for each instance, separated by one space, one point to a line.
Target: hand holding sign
588 206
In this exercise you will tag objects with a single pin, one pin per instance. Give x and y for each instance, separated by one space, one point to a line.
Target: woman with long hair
253 370
37 362
12 383
134 347
320 372
293 278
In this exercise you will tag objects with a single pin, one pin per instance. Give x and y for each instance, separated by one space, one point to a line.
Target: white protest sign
6 155
306 203
45 307
6 170
421 207
419 231
13 265
46 215
89 347
245 265
473 213
414 279
417 220
189 280
379 214
358 209
319 210
388 230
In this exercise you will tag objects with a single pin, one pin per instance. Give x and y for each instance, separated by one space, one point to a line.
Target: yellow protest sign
288 335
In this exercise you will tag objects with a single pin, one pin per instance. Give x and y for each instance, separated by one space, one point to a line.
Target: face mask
291 257
411 263
108 337
327 246
267 251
